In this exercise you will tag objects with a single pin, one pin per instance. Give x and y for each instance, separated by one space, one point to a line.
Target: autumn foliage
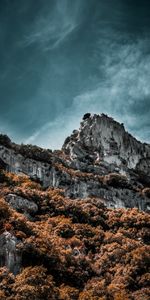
74 249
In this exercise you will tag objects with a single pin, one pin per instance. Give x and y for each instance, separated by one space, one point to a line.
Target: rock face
99 160
9 255
18 163
101 139
29 208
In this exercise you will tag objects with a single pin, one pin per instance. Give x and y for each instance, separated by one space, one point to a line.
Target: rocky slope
66 249
60 236
99 160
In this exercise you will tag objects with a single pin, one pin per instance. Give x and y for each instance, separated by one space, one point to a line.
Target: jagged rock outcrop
100 147
100 139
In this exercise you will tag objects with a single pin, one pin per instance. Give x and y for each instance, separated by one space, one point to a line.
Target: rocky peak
101 138
99 160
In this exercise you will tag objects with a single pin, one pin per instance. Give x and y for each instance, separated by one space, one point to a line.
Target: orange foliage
75 249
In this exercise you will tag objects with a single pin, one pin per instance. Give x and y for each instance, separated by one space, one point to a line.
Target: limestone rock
101 138
9 255
21 204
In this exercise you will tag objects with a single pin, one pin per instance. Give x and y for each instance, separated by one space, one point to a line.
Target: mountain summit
99 160
101 138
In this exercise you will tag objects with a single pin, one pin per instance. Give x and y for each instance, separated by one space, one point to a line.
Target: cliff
105 140
99 160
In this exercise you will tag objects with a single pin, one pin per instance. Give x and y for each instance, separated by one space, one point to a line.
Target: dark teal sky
62 58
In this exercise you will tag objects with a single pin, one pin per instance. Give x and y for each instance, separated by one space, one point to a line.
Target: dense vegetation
74 249
28 151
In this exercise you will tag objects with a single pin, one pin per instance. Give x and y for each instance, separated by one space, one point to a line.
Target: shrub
34 152
5 140
146 192
34 283
116 180
4 209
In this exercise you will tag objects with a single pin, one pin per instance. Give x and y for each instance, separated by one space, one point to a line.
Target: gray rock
10 257
21 204
106 140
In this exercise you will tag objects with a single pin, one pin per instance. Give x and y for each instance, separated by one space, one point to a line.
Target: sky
62 58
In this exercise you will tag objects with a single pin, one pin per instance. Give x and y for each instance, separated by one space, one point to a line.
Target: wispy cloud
54 25
125 91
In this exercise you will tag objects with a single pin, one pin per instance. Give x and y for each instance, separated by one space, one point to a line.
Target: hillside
74 223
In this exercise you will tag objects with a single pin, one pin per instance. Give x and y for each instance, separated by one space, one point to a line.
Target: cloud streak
54 25
125 91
